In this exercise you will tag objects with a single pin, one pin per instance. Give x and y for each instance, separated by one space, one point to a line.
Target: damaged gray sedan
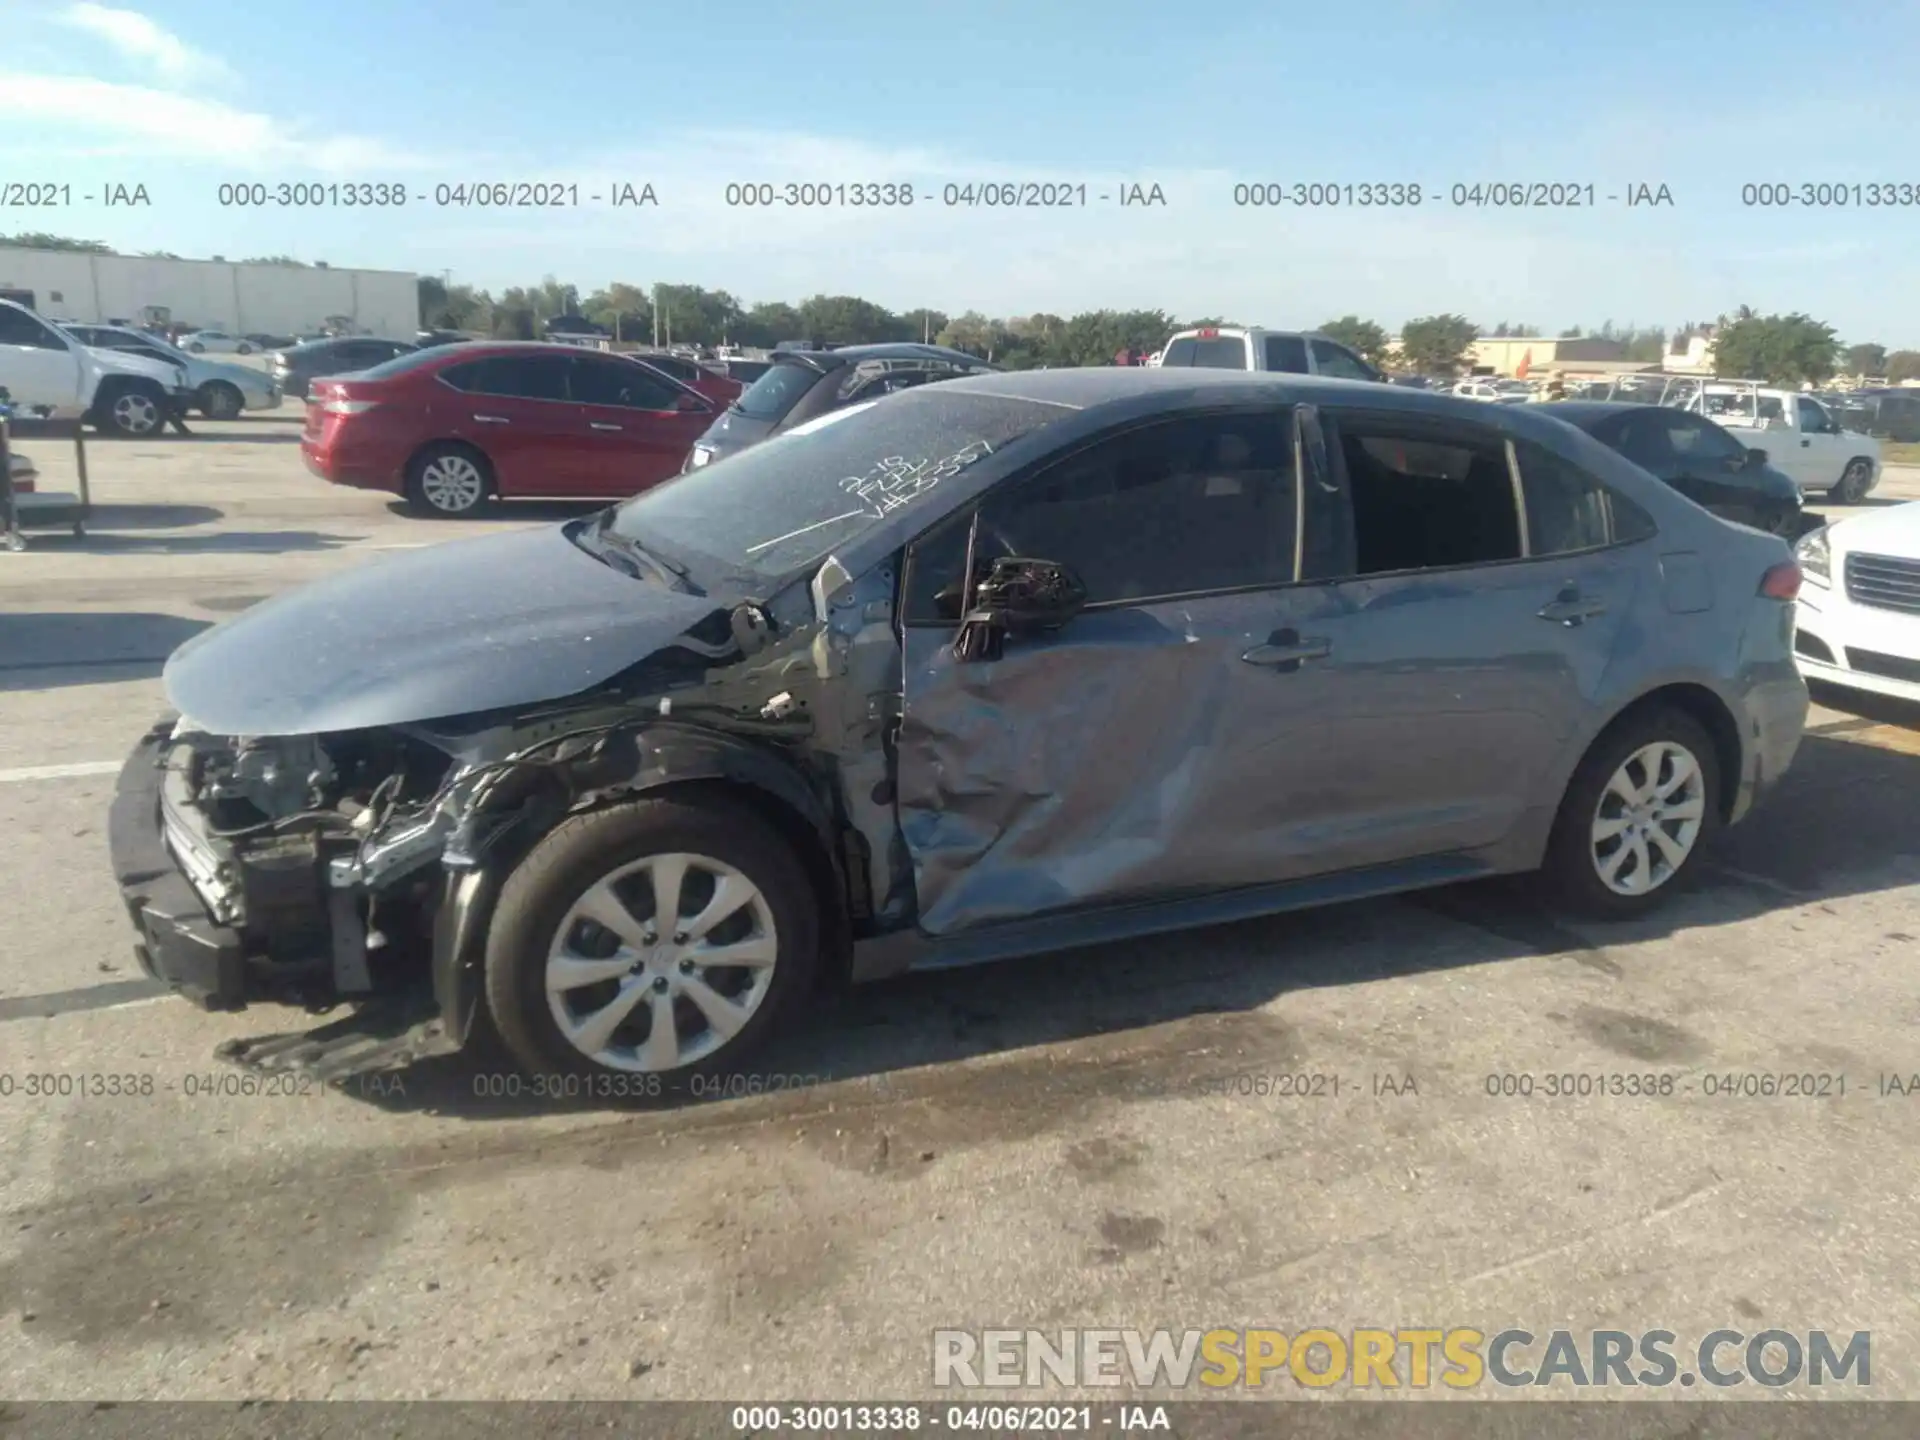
990 668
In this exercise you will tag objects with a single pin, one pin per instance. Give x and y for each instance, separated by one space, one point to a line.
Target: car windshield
776 392
781 506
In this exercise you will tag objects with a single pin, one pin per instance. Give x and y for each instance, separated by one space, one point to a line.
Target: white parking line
62 772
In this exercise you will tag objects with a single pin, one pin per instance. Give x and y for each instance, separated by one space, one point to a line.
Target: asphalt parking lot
1036 1145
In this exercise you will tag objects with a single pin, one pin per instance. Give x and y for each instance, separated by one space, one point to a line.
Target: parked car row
220 392
51 373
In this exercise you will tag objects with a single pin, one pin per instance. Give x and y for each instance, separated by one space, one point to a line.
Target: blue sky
1702 97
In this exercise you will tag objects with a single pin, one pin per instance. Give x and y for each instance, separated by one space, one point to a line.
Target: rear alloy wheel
1854 483
221 401
448 480
662 938
1640 806
133 413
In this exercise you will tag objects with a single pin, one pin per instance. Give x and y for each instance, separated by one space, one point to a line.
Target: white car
49 373
220 391
1858 616
215 342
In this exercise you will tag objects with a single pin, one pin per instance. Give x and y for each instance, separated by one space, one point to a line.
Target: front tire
131 411
449 481
197 348
657 941
221 401
1642 804
1855 481
245 348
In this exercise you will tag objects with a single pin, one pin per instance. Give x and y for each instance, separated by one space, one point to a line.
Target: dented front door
1136 754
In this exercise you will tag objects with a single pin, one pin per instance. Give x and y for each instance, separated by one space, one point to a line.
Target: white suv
1294 352
49 373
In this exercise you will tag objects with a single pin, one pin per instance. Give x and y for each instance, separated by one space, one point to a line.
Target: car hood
454 629
1893 531
117 362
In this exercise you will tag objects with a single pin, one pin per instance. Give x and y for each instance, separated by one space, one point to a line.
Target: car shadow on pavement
151 517
1841 823
197 434
226 542
528 511
44 650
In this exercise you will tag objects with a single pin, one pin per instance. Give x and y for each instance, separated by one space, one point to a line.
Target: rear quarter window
777 392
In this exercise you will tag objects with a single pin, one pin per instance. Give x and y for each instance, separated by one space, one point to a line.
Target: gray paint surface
512 619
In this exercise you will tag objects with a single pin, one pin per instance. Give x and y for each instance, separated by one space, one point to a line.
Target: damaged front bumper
179 940
291 931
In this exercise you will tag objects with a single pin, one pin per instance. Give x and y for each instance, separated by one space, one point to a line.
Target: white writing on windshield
896 481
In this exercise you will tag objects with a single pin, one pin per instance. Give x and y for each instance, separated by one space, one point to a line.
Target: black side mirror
1020 596
1755 458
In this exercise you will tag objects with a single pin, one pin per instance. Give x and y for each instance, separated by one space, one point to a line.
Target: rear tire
662 1013
1854 483
1643 803
450 481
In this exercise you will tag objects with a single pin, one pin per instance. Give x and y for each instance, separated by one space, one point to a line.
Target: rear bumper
330 466
177 941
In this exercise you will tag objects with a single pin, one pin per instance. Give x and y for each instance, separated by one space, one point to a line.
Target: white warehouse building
211 294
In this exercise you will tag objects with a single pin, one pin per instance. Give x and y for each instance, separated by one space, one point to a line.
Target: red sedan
453 427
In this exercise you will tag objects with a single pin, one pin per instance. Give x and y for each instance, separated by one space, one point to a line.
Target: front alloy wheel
665 937
135 413
448 480
661 963
1648 819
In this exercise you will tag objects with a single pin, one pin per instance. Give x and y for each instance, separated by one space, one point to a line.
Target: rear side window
1224 352
776 392
523 377
1428 497
1287 353
1567 509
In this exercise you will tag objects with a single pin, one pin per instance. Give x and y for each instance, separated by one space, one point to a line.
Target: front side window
1703 445
1427 497
621 384
17 327
1182 507
1814 418
1339 363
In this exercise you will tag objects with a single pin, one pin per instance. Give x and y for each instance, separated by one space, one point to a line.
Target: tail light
22 485
1782 582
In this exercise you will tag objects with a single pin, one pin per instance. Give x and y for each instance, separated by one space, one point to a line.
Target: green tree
514 322
1572 332
923 324
40 240
1437 344
1866 359
848 320
766 325
1782 349
453 307
1361 336
971 332
1903 365
691 314
623 311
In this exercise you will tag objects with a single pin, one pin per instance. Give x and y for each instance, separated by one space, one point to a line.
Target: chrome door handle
1286 649
1571 609
491 419
598 426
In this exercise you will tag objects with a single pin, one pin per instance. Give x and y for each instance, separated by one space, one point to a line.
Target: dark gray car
988 668
295 369
802 385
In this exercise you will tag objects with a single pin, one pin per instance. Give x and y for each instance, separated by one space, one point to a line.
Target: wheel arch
675 760
453 442
1707 708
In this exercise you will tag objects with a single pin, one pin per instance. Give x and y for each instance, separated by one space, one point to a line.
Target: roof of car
824 360
1082 388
